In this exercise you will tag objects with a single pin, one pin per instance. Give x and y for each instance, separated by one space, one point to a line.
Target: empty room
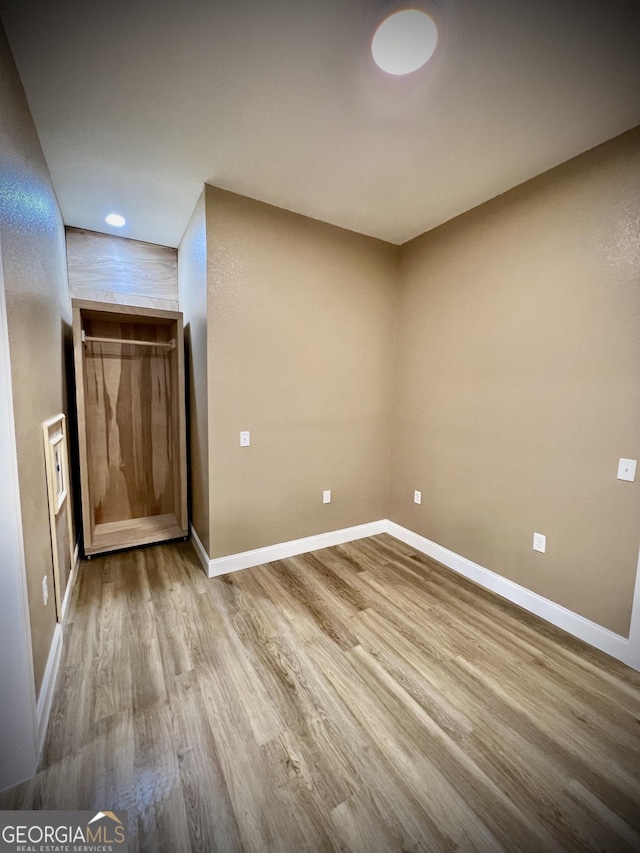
319 426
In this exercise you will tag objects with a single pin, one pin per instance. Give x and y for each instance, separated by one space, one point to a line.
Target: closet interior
131 424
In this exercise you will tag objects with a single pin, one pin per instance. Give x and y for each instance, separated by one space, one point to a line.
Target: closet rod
164 344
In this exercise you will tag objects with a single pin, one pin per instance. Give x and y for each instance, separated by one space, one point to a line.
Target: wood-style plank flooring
360 698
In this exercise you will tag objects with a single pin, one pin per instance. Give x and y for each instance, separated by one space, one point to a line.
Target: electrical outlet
627 470
245 438
326 496
45 589
539 543
417 497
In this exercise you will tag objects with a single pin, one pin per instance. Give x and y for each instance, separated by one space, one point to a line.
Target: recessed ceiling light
404 41
115 219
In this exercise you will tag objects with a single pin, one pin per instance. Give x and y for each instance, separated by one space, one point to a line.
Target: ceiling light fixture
404 41
115 219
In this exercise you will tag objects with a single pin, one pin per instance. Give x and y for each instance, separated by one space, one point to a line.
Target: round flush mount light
404 41
115 219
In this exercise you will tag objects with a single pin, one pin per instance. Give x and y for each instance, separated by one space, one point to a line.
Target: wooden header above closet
116 270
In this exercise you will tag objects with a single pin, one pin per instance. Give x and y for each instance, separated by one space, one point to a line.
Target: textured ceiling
138 102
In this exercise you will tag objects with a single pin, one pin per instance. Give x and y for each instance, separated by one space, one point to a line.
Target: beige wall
518 383
192 276
301 319
108 268
38 313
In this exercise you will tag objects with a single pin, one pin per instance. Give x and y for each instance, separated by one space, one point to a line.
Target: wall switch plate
326 496
45 589
417 497
245 439
627 470
539 543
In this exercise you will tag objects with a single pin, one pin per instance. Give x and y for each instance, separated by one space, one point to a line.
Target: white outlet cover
417 497
627 470
539 543
326 496
245 439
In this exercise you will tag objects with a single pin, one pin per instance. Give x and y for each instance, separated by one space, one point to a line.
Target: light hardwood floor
360 698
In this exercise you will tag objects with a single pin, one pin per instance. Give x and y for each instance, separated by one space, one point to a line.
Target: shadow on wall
69 396
188 381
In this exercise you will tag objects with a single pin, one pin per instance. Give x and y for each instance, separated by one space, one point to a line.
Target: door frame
18 734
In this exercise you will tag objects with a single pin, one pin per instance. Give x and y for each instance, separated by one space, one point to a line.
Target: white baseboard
247 559
73 574
633 658
43 708
592 633
621 648
200 551
45 699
